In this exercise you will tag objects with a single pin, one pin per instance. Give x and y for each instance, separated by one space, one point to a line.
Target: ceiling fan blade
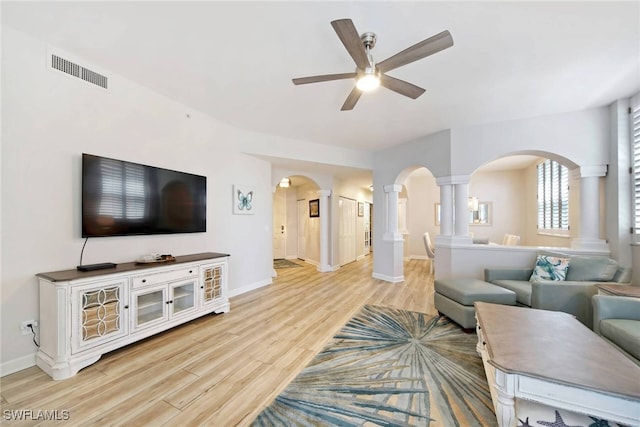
323 78
351 40
351 100
401 87
418 51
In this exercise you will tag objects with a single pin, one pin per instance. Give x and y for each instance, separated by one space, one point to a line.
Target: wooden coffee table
551 358
619 290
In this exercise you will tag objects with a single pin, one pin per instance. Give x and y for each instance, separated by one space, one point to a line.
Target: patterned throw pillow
550 268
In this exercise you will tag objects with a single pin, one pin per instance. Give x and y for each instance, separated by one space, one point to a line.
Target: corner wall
49 119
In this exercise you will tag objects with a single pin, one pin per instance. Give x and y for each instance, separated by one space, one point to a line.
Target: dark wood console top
74 274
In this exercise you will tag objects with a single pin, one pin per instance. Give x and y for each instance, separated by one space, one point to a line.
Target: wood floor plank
220 369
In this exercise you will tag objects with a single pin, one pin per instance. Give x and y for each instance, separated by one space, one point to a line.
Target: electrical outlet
24 326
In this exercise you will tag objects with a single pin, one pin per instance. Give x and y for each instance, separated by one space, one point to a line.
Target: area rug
284 263
389 367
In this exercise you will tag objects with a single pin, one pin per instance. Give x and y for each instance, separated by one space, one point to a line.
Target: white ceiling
235 60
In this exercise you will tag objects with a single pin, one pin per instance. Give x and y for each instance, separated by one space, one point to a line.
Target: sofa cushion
591 269
550 268
522 288
466 291
624 333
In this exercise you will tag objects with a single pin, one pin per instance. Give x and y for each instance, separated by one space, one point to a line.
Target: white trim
453 179
250 287
18 364
388 278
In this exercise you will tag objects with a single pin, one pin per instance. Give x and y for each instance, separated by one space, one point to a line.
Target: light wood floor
219 370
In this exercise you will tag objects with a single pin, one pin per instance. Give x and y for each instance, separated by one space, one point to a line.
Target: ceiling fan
370 75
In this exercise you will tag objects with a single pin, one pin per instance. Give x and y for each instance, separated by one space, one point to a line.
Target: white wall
422 195
49 119
393 166
576 139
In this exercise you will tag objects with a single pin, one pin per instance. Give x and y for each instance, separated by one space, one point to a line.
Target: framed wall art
314 208
242 200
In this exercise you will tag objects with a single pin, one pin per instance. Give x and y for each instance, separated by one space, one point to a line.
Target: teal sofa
617 320
572 295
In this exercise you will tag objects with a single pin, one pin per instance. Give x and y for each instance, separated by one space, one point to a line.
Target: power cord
82 251
30 326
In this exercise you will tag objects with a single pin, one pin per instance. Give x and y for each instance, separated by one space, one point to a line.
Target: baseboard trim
388 278
249 288
15 365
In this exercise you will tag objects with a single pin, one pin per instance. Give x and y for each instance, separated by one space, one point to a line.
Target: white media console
86 314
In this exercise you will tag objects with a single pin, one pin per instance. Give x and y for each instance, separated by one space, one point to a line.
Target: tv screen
122 198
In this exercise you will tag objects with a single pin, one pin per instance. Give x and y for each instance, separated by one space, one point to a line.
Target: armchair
617 320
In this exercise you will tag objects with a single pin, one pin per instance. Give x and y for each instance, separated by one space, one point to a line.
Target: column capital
595 170
393 188
324 193
453 179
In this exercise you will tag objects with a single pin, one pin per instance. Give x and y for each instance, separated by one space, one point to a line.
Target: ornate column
589 224
454 209
446 209
392 191
325 232
462 209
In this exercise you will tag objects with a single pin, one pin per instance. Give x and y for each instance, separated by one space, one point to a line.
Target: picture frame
360 209
314 208
243 200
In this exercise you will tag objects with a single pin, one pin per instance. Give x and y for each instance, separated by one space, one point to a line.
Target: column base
324 268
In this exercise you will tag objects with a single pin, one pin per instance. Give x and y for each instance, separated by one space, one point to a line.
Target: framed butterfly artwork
242 200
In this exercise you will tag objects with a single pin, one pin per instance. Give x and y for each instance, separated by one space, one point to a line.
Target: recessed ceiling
235 60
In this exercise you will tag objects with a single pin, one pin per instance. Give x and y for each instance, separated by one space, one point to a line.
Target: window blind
553 196
635 144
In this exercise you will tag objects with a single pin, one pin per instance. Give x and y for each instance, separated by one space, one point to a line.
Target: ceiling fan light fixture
368 81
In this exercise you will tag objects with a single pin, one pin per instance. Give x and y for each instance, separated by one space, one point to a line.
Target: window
553 196
123 191
635 155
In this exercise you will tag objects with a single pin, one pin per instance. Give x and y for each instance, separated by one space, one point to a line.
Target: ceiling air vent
78 71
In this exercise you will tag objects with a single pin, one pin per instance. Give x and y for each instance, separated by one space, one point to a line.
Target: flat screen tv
121 198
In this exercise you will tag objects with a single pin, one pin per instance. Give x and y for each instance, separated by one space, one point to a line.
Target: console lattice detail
212 283
100 312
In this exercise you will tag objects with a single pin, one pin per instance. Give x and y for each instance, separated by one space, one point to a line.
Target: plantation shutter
553 196
635 143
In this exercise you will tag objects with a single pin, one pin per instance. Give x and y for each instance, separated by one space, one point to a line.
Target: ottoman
455 297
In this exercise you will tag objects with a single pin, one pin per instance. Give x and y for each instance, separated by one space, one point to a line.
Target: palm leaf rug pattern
389 367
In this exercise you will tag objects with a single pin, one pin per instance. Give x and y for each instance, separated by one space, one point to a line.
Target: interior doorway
347 230
303 226
279 223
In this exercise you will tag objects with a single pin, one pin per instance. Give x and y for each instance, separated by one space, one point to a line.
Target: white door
303 214
279 221
347 230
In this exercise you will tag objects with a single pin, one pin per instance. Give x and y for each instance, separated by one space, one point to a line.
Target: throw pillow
550 268
592 268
